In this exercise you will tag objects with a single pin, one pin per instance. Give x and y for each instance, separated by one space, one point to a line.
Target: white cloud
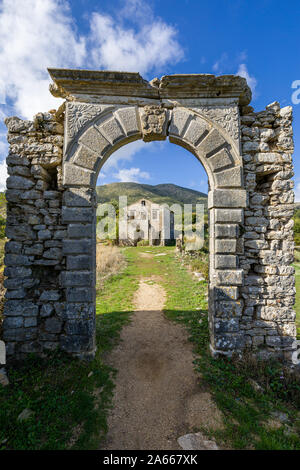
297 192
144 50
133 175
3 175
221 64
252 82
124 153
37 34
34 35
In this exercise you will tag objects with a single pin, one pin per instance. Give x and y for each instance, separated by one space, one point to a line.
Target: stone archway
104 111
113 127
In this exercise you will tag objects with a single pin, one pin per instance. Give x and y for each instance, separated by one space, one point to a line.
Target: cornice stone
74 83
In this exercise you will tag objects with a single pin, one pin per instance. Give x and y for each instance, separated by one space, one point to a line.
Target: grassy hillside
160 194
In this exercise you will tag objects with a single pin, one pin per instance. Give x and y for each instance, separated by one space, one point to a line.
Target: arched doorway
94 132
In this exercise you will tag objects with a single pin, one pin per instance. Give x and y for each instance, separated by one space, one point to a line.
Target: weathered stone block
227 198
79 197
229 215
128 119
267 157
77 214
112 130
257 244
78 294
79 230
232 177
79 262
53 325
229 308
60 234
46 310
226 230
17 260
75 247
229 341
17 272
85 158
274 341
212 142
179 120
15 293
44 234
258 340
226 261
95 141
20 232
77 175
76 278
80 327
48 295
79 311
250 147
53 253
225 246
14 334
19 182
220 160
230 278
13 247
13 322
196 131
226 326
30 321
226 293
17 160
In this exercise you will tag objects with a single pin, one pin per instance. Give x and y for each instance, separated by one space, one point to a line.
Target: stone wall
33 256
269 285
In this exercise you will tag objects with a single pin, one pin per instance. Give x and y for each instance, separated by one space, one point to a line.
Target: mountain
160 194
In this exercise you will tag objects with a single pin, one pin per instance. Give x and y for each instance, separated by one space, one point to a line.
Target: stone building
53 164
149 221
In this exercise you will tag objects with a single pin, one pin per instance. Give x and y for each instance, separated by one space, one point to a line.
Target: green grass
66 394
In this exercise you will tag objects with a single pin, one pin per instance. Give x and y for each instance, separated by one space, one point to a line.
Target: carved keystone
154 123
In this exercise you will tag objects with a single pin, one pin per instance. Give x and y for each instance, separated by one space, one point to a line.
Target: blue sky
258 39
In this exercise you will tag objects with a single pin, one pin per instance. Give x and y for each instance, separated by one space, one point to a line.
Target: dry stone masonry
53 165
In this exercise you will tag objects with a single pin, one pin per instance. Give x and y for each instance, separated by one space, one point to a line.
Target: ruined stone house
53 164
149 221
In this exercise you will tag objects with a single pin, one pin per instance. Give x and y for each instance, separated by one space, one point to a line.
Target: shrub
2 227
109 261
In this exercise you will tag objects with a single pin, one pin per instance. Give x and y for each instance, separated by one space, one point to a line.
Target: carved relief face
153 123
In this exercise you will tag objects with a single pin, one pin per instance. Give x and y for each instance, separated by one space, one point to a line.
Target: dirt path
157 396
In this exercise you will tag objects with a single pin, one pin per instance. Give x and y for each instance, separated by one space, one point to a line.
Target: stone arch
53 165
116 127
90 148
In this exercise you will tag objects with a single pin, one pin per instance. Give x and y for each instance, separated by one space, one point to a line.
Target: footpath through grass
70 400
259 401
